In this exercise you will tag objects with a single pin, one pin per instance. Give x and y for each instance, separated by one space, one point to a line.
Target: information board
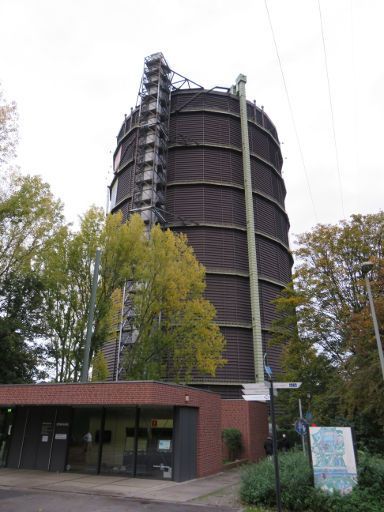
333 458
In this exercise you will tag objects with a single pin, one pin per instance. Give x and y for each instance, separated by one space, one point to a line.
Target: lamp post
365 269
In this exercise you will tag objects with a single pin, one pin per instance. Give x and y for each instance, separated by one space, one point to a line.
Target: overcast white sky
74 69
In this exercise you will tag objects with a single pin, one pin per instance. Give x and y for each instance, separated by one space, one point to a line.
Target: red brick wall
252 421
209 453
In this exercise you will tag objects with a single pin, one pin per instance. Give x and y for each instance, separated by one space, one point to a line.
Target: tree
68 270
8 129
329 275
29 217
174 324
325 320
303 362
29 220
20 316
364 389
99 367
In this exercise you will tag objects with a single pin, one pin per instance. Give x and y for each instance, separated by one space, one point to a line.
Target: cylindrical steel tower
203 194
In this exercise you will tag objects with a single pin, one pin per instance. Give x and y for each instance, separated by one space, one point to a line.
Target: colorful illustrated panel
333 458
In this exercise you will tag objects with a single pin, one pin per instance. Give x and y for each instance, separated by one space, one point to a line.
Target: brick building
143 429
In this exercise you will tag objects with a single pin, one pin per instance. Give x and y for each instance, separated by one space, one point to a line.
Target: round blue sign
301 426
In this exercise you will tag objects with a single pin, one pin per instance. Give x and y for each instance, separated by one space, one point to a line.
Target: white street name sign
256 398
254 385
287 385
256 390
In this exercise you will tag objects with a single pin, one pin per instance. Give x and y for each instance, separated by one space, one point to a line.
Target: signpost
262 392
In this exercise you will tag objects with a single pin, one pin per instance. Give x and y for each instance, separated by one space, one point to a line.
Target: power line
291 112
331 108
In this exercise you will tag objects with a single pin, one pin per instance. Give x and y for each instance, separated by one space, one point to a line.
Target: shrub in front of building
233 442
298 494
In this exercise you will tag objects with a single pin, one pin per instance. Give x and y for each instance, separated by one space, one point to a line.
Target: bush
232 439
258 482
371 474
297 493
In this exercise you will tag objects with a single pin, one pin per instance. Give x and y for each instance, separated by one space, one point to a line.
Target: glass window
83 452
117 159
113 194
119 441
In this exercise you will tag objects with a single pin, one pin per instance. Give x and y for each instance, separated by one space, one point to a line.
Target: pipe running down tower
249 216
207 162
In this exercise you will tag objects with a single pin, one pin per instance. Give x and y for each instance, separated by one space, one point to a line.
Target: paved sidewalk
219 489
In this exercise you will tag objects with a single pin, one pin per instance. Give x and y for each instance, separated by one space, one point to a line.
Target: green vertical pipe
91 310
251 243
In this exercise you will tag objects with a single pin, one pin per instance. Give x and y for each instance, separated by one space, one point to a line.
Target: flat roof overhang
104 394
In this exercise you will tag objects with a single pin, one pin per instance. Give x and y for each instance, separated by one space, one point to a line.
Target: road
12 500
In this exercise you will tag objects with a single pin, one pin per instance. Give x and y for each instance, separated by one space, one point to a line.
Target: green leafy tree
325 327
99 367
29 217
175 326
302 362
29 220
19 324
68 270
176 332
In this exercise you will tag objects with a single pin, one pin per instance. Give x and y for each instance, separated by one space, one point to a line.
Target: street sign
258 388
301 426
287 385
253 385
309 416
255 390
256 398
258 391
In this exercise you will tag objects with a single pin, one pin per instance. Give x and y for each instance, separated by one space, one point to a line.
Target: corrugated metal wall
205 200
205 190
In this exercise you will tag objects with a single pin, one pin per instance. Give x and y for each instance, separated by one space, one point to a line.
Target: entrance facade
134 428
127 441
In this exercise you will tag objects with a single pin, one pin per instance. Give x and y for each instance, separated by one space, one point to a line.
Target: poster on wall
333 458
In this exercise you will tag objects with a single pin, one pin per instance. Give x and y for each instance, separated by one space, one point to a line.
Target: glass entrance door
83 452
118 452
154 444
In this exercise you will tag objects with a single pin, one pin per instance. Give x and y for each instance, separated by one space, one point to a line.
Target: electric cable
291 112
331 109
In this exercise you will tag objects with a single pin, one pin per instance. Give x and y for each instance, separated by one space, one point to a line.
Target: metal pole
310 455
375 324
274 444
301 417
251 242
87 347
